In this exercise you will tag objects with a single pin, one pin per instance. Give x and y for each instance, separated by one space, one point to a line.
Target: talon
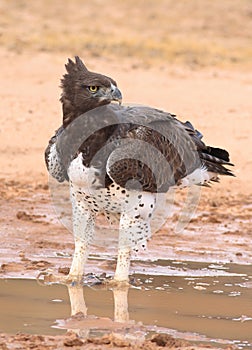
117 284
49 278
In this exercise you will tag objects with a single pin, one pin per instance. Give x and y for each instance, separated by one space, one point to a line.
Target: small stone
64 270
238 254
72 340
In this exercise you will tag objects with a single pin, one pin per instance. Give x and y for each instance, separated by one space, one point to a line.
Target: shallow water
200 302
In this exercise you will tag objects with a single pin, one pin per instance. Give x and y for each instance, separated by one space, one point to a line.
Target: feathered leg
83 230
123 264
83 220
134 230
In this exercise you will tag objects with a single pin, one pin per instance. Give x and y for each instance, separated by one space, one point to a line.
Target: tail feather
222 154
217 168
215 159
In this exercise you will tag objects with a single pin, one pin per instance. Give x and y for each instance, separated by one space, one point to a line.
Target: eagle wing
136 147
155 151
53 161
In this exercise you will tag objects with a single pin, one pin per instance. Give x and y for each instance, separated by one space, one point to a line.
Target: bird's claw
112 283
48 277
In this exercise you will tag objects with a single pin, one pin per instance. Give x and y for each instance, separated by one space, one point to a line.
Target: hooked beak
109 94
116 94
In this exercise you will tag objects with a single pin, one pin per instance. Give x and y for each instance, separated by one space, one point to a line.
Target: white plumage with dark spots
118 159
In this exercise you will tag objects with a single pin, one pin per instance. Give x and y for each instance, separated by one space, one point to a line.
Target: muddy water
204 302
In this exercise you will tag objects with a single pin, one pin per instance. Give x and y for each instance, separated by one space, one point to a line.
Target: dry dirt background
192 58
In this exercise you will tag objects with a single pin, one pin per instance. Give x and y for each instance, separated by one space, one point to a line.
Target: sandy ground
196 67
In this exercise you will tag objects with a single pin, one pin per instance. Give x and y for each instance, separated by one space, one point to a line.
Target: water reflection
120 326
212 309
204 303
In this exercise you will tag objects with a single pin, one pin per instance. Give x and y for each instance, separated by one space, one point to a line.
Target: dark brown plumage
135 149
77 96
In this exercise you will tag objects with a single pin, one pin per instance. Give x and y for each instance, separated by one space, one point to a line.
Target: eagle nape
127 144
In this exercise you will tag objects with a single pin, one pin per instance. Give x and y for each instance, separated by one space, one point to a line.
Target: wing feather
134 146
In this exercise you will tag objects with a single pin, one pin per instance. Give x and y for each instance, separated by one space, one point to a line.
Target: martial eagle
117 159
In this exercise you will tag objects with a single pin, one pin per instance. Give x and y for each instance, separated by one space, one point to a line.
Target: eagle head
84 90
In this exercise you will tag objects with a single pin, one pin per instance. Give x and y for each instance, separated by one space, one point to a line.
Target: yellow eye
93 88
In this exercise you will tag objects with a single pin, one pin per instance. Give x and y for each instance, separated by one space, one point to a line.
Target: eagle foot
47 277
113 283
